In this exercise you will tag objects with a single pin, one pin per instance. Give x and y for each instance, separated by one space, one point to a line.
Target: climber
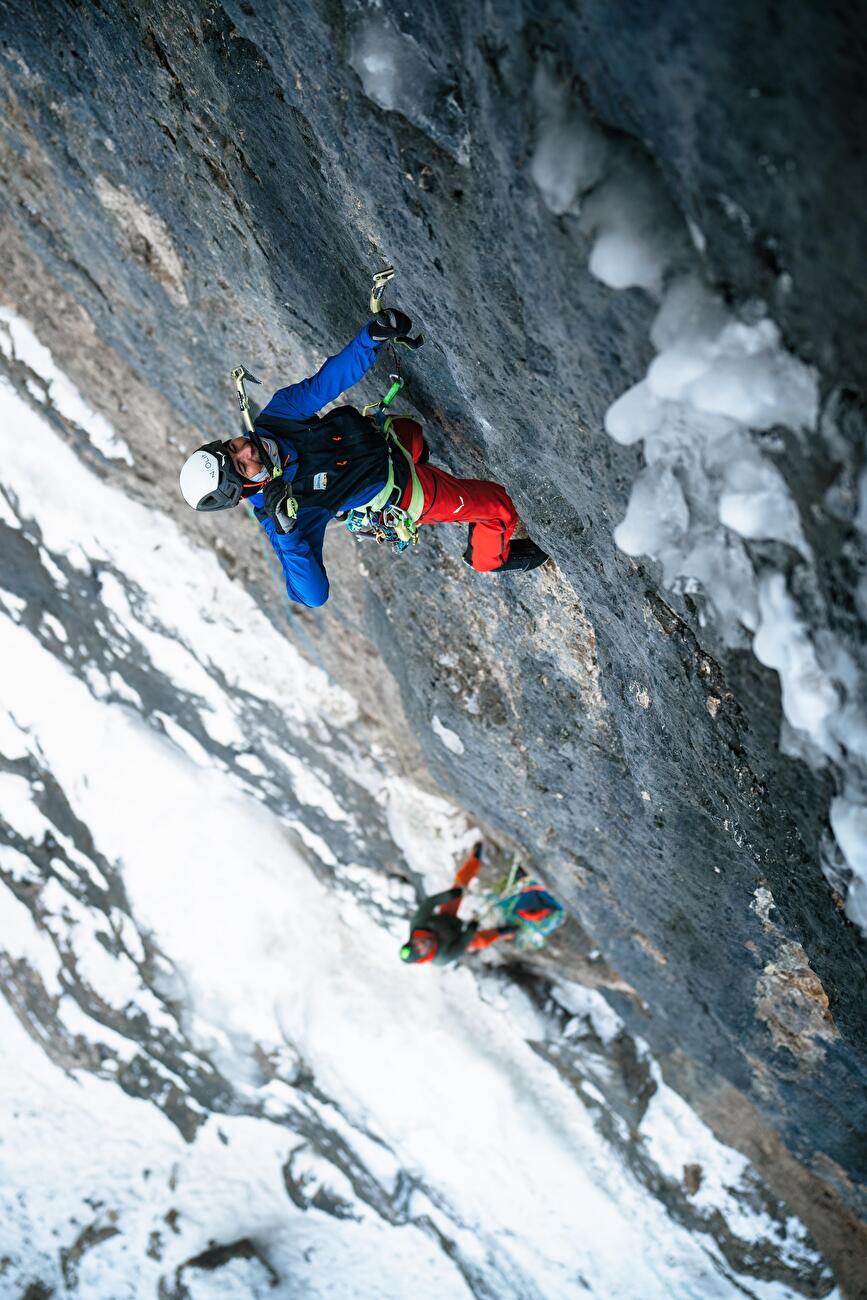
318 467
437 934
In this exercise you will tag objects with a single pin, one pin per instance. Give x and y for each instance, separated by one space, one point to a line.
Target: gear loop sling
380 518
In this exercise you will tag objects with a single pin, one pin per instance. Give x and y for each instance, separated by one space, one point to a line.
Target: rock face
190 185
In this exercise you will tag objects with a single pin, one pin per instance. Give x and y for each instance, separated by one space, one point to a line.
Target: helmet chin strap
270 459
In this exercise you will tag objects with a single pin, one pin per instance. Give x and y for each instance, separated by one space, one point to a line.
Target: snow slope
223 1046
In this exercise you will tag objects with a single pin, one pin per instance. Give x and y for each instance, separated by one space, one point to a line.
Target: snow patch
19 343
266 971
849 824
22 940
55 627
676 1139
13 604
251 763
450 739
312 789
399 75
7 514
431 833
19 811
782 643
587 1004
315 842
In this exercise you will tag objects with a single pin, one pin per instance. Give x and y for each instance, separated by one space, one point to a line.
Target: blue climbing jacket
300 552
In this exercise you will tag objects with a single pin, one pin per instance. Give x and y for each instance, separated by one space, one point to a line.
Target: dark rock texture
192 184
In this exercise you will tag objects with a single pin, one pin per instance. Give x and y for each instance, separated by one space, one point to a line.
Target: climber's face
245 458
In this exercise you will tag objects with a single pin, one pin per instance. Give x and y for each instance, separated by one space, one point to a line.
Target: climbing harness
380 518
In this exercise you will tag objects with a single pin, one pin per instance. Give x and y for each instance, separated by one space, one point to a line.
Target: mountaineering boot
523 556
484 938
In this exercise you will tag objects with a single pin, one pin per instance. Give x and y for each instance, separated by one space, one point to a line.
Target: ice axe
380 280
239 374
289 508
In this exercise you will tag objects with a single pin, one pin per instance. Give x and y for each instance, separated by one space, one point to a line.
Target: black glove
274 493
390 323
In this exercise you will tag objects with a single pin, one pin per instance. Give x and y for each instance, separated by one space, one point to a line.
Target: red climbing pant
484 939
485 506
465 874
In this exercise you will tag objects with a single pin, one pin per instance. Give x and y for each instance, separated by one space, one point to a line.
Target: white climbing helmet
209 480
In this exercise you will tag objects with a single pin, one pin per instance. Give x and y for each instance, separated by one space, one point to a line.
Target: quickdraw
391 526
385 402
387 524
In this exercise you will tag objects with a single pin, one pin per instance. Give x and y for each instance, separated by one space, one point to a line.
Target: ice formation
450 739
707 485
398 75
849 824
570 154
618 205
710 484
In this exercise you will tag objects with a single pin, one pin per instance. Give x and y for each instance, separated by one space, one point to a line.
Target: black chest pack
341 456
